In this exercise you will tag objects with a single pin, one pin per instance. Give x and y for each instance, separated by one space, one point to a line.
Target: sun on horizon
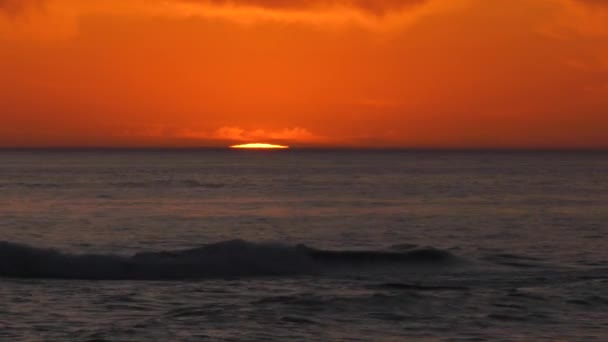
260 146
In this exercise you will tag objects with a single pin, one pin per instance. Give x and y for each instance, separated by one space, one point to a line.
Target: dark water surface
303 245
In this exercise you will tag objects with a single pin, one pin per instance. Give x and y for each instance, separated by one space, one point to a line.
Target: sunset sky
368 73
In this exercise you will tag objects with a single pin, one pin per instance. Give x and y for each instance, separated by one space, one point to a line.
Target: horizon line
306 148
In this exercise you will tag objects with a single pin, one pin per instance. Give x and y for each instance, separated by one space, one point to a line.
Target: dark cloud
377 7
15 7
594 3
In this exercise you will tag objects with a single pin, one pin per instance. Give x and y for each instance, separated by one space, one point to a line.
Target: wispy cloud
294 134
596 3
374 7
581 17
231 134
369 13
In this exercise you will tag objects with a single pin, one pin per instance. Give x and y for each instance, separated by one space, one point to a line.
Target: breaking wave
234 258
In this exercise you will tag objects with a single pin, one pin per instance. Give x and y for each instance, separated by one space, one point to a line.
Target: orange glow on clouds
385 73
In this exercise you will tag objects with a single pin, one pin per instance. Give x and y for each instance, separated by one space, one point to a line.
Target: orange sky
378 73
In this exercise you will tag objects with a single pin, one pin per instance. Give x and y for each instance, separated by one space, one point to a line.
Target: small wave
299 320
507 256
234 258
418 256
508 317
418 287
512 260
196 184
31 185
186 183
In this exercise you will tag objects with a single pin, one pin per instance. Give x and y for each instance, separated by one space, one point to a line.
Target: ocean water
303 246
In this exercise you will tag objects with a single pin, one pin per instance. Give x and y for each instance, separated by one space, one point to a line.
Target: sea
303 245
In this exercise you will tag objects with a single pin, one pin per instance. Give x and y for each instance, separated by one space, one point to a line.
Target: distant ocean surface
217 245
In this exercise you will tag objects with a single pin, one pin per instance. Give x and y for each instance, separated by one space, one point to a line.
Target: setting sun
260 146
